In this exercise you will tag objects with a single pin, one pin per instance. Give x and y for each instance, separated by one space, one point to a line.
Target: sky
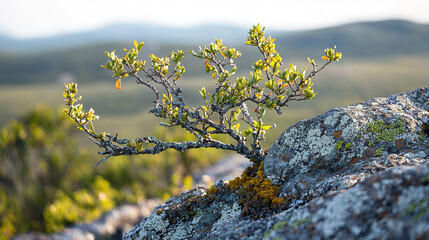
40 18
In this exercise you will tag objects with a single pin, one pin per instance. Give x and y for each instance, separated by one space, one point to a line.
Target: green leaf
262 112
203 93
247 132
309 94
140 46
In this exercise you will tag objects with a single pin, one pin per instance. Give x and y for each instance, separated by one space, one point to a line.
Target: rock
345 145
360 171
393 204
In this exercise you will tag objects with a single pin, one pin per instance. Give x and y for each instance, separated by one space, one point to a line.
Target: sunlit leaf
266 127
118 84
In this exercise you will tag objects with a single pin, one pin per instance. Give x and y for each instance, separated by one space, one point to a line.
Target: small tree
224 110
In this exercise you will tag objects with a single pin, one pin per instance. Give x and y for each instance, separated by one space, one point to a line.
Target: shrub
224 111
47 182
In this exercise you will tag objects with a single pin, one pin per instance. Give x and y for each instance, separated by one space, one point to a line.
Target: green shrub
224 111
47 178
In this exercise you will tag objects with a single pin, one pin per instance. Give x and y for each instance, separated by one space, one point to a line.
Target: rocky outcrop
355 172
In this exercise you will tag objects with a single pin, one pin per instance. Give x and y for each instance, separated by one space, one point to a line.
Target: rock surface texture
360 171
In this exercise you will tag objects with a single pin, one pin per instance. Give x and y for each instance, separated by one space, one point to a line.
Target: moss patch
386 132
376 132
417 210
349 145
378 152
258 196
299 222
277 226
339 145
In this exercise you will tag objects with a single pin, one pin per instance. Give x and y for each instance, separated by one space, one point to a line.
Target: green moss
421 134
378 152
425 179
339 145
299 222
277 226
349 145
384 132
379 131
418 210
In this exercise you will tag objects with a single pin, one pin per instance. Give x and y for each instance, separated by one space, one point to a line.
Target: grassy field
125 111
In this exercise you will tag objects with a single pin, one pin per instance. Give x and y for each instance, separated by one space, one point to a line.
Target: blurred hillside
379 59
48 59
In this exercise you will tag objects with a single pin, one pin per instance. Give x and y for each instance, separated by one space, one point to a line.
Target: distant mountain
81 54
126 32
366 39
357 39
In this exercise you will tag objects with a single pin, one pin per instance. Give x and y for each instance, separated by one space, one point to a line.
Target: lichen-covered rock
393 204
345 136
360 171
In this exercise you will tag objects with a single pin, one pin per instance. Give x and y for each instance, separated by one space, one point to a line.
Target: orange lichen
338 134
258 196
212 190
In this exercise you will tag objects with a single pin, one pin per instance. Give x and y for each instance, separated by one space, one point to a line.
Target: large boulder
349 143
355 172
